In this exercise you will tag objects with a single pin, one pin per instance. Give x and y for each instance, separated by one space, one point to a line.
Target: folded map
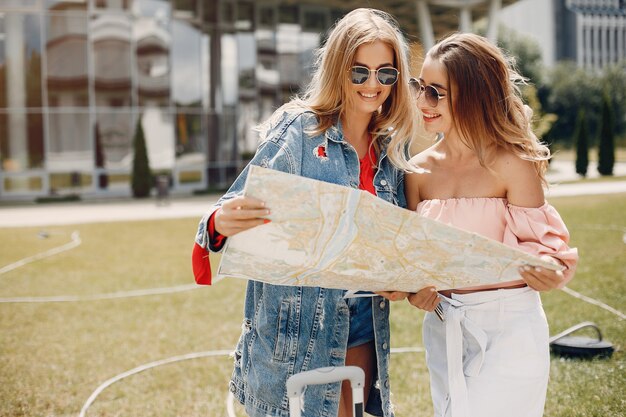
326 235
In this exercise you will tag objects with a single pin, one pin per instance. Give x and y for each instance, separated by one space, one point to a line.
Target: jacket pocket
282 339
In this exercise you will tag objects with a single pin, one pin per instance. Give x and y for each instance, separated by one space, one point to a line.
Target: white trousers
490 356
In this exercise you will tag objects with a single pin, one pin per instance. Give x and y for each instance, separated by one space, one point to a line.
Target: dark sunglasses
431 94
385 75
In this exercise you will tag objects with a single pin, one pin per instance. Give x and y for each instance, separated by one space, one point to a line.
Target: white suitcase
297 382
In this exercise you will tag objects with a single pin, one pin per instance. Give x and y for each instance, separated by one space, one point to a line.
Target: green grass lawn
54 355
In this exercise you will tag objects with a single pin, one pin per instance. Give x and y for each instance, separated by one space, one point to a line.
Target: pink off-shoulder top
539 231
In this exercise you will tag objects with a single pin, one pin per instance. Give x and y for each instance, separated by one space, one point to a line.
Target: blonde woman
489 356
338 131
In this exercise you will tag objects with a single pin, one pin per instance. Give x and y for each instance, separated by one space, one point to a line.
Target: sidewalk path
566 171
586 188
80 213
562 171
108 211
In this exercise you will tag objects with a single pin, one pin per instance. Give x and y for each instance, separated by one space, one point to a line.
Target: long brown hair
486 105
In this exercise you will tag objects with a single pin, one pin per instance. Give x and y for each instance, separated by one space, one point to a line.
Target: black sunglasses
385 75
431 94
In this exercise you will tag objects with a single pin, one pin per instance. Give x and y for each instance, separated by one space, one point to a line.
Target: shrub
606 141
582 145
141 181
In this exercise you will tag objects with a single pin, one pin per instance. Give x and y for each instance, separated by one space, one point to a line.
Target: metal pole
425 24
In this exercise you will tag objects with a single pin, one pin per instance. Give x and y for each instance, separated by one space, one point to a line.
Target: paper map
326 235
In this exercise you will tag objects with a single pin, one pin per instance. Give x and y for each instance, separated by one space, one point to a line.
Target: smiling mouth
369 95
430 116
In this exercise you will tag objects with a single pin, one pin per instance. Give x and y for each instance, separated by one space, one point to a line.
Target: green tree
542 122
141 181
614 80
526 56
606 141
582 146
524 50
572 88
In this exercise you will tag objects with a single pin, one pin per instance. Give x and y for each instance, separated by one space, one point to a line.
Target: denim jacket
287 329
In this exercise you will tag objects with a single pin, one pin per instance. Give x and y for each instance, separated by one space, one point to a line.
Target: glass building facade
76 76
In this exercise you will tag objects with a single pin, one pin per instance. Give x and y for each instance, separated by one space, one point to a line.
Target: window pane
229 70
268 102
246 48
205 61
314 20
288 37
309 42
223 162
248 119
159 9
158 129
226 147
70 147
67 70
113 4
187 65
266 41
190 140
267 16
65 5
186 5
111 48
3 65
288 14
20 61
153 62
267 74
115 132
228 12
22 183
73 181
209 11
245 15
19 4
21 140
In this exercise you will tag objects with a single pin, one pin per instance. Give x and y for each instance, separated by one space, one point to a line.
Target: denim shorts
361 322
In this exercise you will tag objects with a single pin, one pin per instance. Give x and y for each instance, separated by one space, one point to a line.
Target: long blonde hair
326 95
487 107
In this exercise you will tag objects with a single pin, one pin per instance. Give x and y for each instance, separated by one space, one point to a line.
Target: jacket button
383 182
232 387
385 345
382 305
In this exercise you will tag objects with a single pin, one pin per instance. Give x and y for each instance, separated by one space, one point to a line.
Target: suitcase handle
576 328
297 382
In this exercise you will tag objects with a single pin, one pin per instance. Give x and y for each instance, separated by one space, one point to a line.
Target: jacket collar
335 134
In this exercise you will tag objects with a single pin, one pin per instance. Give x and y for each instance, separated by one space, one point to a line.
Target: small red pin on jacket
320 152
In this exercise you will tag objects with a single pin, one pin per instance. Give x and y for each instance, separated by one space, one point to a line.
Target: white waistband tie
456 321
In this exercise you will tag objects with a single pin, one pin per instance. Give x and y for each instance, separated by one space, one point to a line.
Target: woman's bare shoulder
509 164
522 181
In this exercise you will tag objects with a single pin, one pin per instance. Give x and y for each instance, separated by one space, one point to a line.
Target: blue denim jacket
286 329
